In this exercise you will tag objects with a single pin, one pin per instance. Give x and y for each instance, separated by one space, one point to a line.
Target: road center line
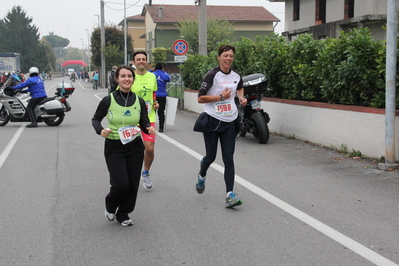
10 145
319 226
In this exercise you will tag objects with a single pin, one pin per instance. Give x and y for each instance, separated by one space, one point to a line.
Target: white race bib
224 108
128 133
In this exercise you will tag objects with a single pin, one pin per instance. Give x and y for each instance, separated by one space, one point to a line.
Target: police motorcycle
254 118
50 110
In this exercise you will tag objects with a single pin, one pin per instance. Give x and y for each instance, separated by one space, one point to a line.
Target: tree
73 53
18 35
114 42
159 54
48 65
218 31
56 41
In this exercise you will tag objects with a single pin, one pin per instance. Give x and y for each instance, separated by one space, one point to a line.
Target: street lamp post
83 52
88 48
98 17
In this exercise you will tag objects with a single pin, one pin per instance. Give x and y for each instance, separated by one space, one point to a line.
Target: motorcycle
50 110
254 118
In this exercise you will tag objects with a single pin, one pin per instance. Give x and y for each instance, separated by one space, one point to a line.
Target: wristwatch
221 97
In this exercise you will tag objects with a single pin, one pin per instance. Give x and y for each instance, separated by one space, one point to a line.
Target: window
349 9
296 9
320 11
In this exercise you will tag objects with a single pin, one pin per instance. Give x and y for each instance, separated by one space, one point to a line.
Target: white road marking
319 226
10 145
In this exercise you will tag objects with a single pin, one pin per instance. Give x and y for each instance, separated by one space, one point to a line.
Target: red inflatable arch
74 62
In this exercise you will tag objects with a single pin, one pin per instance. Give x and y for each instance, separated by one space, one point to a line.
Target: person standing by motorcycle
218 91
124 148
162 79
37 92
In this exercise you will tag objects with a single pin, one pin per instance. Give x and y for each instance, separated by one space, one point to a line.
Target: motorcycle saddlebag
255 84
53 107
68 88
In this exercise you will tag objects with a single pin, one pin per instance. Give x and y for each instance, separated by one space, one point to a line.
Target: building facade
326 18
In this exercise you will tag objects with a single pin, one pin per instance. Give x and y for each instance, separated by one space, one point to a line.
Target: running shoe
127 222
145 176
232 200
109 216
200 186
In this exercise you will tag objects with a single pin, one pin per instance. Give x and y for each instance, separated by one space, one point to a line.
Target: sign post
180 48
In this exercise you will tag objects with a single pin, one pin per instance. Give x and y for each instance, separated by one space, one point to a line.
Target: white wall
364 132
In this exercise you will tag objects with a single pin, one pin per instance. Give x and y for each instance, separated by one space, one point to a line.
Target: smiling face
140 62
225 59
125 78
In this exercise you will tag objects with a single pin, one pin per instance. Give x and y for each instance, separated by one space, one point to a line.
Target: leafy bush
195 67
348 70
348 67
303 75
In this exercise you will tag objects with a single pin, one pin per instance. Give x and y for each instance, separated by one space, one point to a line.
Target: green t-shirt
144 86
119 116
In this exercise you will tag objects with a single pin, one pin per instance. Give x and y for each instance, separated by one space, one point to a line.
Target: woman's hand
151 130
156 106
105 132
243 101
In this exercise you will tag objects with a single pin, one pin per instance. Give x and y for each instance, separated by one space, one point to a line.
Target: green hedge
348 70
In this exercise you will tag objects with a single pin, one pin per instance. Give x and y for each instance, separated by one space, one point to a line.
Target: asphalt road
302 204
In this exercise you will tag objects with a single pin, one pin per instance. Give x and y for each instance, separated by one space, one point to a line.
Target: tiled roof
174 13
138 17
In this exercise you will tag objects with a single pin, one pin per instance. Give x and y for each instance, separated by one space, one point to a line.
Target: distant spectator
162 79
112 82
95 79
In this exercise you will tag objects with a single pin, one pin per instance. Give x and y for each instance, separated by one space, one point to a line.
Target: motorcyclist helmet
33 70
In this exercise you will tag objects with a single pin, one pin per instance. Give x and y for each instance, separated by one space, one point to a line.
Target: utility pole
102 73
390 89
202 30
124 33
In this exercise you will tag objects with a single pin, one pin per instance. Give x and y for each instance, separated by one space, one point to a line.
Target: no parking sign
180 47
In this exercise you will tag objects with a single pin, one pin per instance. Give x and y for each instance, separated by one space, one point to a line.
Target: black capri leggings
227 142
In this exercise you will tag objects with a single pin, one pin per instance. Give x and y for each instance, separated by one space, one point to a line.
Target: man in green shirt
145 86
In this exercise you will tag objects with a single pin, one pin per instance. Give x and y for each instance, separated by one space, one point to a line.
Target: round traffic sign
180 47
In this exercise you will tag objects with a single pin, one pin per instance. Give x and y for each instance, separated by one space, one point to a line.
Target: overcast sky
71 18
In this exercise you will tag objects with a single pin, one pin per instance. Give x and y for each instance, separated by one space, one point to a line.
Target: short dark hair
140 52
225 47
125 67
158 66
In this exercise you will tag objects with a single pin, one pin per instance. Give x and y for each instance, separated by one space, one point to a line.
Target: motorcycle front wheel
4 116
54 121
260 130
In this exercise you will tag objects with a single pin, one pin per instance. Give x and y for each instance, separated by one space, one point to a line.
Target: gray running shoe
109 216
127 223
145 176
232 200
